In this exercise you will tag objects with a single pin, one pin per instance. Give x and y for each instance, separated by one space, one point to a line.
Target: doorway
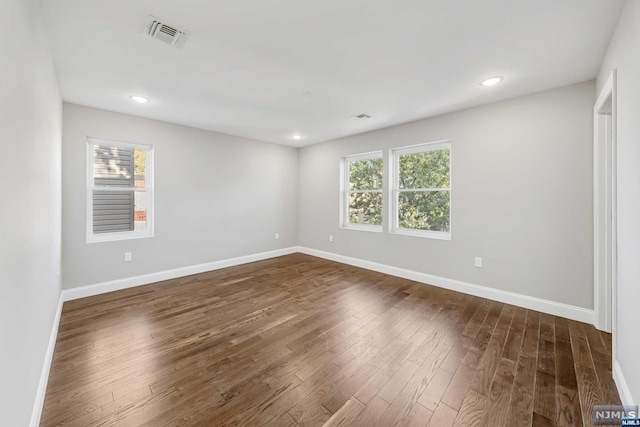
605 207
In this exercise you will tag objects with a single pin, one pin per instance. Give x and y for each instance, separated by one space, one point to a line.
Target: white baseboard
46 367
533 303
550 307
130 282
621 383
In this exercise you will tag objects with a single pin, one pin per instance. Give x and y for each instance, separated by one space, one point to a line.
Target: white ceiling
248 63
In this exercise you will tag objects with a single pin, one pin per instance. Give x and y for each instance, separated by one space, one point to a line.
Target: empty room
339 213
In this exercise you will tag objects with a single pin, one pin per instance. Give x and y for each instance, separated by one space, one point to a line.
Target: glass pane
112 166
365 174
429 169
113 211
424 210
365 208
140 165
140 210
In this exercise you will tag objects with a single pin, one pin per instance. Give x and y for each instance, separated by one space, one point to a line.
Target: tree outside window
422 190
362 192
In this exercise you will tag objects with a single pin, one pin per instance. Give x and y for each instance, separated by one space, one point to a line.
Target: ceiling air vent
164 32
361 116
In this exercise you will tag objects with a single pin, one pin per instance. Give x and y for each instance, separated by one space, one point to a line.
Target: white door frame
605 208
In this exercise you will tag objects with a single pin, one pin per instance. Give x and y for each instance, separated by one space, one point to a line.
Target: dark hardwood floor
298 340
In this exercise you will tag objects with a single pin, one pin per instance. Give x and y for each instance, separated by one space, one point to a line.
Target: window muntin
119 190
362 191
421 199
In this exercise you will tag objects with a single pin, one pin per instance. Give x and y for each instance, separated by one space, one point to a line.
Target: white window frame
118 235
344 192
395 189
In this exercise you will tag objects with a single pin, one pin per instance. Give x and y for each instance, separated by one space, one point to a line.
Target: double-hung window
421 190
119 190
362 192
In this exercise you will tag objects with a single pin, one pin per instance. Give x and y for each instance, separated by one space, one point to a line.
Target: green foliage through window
365 191
428 169
140 157
424 190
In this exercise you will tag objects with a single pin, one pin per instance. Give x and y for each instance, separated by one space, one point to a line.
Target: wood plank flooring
298 340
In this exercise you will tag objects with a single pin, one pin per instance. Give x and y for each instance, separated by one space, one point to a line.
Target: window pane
365 174
113 211
112 166
140 165
429 169
140 212
424 210
365 208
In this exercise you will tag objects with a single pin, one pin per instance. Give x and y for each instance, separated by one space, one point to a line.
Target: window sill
114 237
422 233
362 227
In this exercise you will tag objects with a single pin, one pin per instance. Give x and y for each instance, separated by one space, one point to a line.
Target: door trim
605 208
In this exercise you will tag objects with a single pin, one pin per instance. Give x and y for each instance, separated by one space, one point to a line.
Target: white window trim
120 235
395 189
344 192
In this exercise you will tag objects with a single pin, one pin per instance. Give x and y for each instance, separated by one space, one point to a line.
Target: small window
119 191
362 192
421 195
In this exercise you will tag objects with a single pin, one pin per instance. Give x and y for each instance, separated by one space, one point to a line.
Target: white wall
216 197
30 126
521 197
624 55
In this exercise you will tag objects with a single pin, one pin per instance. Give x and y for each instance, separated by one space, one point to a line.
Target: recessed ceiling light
297 137
140 99
492 81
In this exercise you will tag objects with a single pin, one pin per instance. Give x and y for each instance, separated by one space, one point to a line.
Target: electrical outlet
277 236
127 257
331 237
479 261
